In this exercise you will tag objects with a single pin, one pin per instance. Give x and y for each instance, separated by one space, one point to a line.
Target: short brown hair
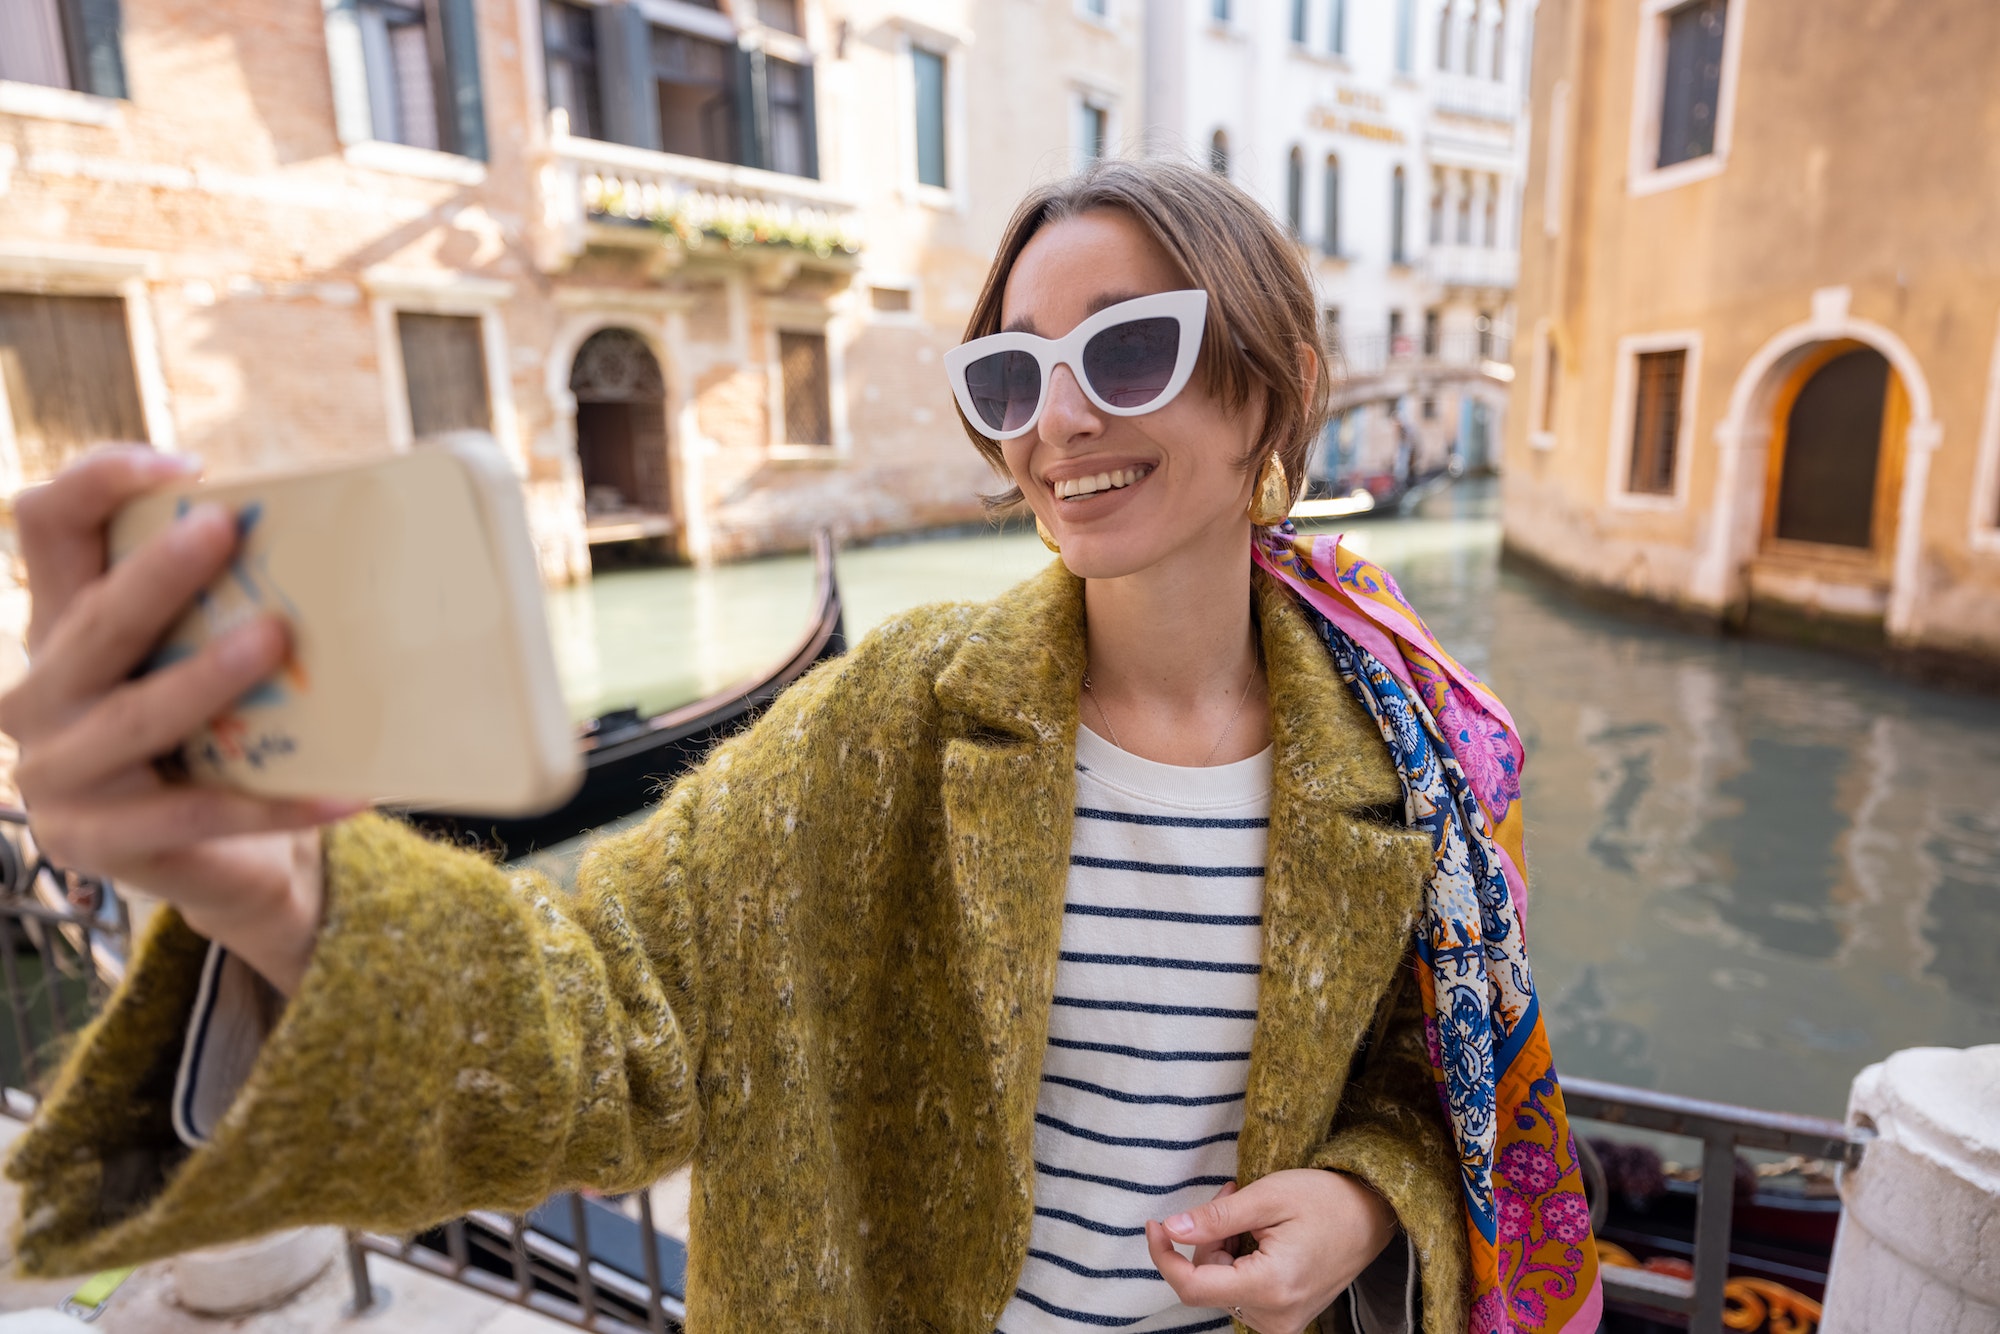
1260 297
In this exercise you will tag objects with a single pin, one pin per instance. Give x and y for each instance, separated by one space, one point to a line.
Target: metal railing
1722 1130
602 1264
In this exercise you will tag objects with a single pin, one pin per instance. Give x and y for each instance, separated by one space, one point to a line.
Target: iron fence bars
64 939
1722 1130
548 1262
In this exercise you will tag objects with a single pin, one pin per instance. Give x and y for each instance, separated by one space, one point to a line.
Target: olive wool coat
822 969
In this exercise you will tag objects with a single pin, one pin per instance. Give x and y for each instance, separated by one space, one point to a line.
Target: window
1336 38
1330 238
1398 253
1691 87
1471 65
421 65
928 67
1219 10
1098 9
1490 236
1399 346
1437 208
1218 153
1465 210
1500 42
807 393
1406 35
1093 131
569 49
1445 16
695 86
1299 16
66 367
1551 383
444 369
1429 407
1295 192
891 300
63 44
1433 324
789 118
1656 422
782 15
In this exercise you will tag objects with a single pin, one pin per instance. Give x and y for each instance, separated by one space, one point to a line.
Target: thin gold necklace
1227 727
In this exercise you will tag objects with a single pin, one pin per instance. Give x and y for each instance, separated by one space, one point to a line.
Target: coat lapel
1339 894
1008 788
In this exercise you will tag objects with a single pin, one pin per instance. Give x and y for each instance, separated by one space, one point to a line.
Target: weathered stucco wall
1859 198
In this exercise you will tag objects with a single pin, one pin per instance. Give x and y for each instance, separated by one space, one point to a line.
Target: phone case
421 671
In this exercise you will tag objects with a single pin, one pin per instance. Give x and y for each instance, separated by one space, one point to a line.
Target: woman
1025 945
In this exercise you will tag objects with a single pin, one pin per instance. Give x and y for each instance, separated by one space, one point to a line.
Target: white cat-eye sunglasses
1129 359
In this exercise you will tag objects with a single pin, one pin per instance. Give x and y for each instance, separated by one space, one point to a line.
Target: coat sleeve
465 1036
1391 1133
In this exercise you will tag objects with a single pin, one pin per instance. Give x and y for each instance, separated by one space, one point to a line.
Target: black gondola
629 760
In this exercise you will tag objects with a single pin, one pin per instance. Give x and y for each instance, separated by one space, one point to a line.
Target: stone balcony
1470 98
1479 268
597 194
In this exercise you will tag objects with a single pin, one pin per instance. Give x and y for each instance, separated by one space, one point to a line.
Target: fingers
149 717
1231 1213
1219 1285
61 524
110 837
1222 1251
110 623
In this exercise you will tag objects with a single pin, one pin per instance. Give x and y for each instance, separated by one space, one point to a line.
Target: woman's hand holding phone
243 870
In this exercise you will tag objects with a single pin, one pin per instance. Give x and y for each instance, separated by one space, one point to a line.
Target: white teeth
1104 481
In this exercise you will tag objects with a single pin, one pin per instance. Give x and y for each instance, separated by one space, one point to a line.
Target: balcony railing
1472 266
1364 355
603 193
1476 99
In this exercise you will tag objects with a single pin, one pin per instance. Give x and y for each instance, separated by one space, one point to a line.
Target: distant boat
629 759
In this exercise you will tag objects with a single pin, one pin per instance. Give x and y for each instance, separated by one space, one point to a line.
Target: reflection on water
1755 869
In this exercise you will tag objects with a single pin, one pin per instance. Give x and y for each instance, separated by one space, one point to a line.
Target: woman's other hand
242 870
1315 1232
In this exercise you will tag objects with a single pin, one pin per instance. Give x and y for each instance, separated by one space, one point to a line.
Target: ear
1308 369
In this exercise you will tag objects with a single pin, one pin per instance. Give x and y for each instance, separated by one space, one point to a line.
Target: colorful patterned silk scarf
1534 1262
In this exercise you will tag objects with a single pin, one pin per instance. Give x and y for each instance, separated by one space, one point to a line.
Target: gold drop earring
1272 500
1042 531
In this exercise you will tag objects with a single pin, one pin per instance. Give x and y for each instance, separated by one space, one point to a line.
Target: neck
1172 648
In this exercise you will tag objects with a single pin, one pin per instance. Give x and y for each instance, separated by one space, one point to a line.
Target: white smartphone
421 671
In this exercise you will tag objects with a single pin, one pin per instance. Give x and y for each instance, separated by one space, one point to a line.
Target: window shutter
349 67
625 68
809 118
95 57
752 112
464 107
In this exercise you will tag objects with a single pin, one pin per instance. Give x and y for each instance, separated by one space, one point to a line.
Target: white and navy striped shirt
1142 1087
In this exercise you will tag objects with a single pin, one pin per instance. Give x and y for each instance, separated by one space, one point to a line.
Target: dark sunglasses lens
1129 364
1004 389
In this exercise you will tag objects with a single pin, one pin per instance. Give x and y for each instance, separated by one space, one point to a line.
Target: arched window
1472 39
1330 238
1500 41
1398 192
1445 17
1218 153
1295 192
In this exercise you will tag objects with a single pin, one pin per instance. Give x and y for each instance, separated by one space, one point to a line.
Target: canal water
1754 869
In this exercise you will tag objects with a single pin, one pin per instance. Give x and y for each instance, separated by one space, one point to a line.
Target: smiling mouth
1076 488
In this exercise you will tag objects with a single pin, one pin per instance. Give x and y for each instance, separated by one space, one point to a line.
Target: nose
1069 414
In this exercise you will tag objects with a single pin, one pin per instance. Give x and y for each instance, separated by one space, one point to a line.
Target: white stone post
1919 1241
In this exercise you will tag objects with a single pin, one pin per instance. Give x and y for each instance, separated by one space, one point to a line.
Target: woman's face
1188 492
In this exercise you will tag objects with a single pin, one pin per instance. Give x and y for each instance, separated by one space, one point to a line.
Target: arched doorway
621 439
1837 432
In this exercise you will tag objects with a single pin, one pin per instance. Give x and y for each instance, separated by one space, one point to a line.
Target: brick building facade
693 264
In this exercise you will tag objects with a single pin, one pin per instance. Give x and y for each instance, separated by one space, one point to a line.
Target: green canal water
1754 869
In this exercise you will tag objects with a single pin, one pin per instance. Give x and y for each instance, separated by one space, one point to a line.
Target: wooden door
1836 463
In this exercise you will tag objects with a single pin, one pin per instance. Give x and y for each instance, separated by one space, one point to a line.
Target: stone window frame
782 316
1624 405
425 292
1642 175
73 270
